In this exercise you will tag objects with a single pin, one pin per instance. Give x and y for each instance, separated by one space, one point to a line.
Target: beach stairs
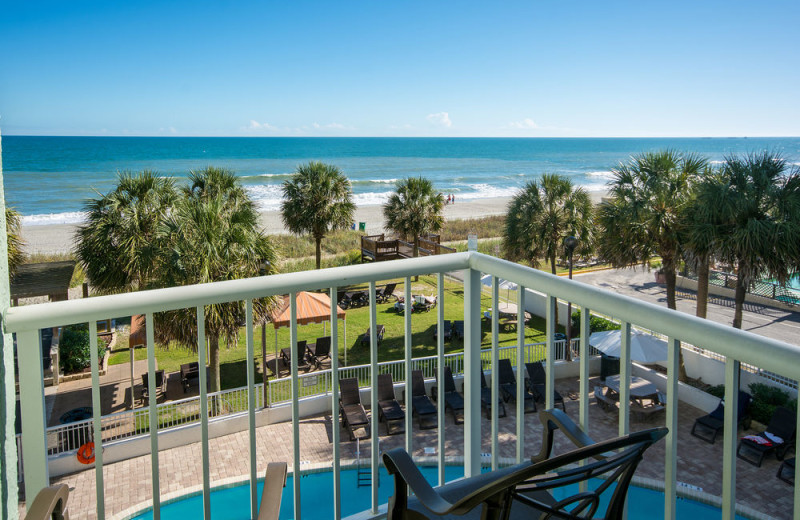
377 248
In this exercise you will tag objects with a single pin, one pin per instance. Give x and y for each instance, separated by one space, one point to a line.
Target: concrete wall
691 285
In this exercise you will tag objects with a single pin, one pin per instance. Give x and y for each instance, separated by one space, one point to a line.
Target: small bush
765 399
73 349
596 324
717 391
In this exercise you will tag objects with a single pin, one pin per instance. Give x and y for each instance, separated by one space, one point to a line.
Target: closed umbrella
645 348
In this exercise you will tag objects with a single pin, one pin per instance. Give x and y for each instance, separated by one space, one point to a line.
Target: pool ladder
364 471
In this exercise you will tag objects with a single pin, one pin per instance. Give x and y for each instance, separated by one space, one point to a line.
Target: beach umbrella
503 284
645 348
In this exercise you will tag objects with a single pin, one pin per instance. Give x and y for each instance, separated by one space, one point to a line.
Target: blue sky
534 68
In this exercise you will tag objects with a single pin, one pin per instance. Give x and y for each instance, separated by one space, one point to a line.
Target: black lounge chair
365 338
783 424
277 365
458 329
302 360
508 385
320 350
786 471
354 417
421 405
453 401
543 487
384 294
161 384
486 399
274 481
390 410
537 383
708 426
448 330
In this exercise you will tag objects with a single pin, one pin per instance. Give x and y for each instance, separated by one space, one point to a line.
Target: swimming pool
316 500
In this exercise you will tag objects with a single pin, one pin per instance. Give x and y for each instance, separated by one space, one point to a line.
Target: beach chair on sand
421 405
508 385
390 410
486 399
777 438
354 417
453 401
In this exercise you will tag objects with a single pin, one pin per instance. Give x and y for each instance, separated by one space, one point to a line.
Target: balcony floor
699 463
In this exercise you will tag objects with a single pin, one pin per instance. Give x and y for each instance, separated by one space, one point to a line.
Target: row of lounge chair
535 385
307 355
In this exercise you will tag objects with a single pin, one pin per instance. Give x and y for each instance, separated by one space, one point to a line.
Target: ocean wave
607 174
48 219
374 181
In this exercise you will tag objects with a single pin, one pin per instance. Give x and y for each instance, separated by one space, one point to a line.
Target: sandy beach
58 238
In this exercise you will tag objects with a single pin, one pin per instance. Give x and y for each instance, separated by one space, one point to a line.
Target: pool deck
128 486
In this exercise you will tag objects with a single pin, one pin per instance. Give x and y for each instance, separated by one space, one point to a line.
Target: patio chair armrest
556 419
406 475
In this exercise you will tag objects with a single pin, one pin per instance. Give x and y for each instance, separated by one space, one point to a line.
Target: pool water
316 500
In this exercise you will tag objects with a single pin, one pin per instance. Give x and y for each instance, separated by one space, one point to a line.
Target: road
759 319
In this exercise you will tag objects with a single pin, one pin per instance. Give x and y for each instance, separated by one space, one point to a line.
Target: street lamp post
570 243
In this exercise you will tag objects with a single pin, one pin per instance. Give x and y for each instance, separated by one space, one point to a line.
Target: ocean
48 179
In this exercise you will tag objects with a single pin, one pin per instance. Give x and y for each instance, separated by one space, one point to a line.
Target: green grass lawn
232 360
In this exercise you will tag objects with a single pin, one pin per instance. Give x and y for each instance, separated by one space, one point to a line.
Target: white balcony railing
736 346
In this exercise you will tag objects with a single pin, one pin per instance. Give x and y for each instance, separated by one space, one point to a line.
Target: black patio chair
709 426
786 471
447 330
161 384
453 401
458 329
390 411
543 487
537 382
385 293
302 358
421 404
486 399
365 338
320 350
754 448
508 385
354 417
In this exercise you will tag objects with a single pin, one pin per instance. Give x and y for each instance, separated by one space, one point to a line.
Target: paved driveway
759 319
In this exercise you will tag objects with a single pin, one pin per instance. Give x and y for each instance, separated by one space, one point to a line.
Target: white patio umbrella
503 284
645 348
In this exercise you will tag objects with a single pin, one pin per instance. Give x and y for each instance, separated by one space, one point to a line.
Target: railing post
251 407
625 378
31 393
671 453
373 386
407 366
337 487
8 439
729 439
440 374
295 405
550 331
472 366
494 362
520 373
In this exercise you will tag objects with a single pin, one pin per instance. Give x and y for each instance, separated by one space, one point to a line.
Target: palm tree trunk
741 291
318 241
668 265
702 288
213 364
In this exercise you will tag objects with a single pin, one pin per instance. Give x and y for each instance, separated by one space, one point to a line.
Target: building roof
43 279
311 308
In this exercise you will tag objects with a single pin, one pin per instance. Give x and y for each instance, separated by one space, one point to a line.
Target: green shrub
765 399
717 391
596 324
73 349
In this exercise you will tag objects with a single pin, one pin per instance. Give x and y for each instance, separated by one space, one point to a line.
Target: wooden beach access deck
376 248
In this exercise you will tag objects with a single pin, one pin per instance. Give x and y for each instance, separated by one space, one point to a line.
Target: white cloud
255 126
331 126
525 124
440 119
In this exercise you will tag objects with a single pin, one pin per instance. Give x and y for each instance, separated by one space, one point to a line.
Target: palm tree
213 235
16 256
317 200
699 242
119 246
542 215
754 206
646 215
414 209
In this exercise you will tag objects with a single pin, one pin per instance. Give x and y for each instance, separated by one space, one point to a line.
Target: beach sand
59 238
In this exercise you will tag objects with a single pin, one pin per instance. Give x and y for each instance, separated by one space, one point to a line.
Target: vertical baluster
583 380
203 382
373 385
251 407
337 479
440 373
520 373
625 378
729 439
31 391
550 331
295 403
96 417
472 364
151 391
493 360
671 442
407 352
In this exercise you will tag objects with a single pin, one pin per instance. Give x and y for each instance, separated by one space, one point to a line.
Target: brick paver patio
127 483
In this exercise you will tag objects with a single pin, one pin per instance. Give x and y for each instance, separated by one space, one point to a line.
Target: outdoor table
640 388
507 309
